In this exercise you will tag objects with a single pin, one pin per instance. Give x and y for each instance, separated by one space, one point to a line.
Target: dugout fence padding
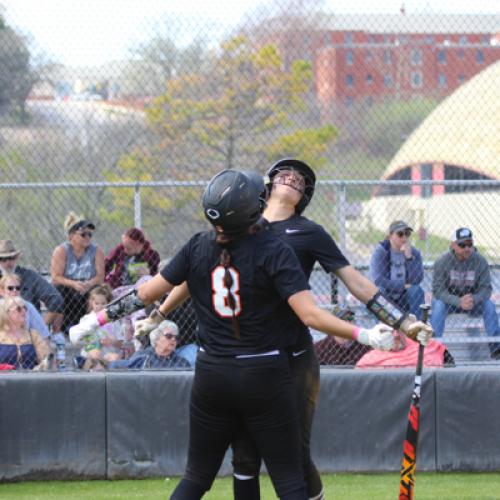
361 420
52 426
135 425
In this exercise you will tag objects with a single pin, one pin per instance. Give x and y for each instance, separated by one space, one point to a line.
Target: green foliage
16 76
387 125
309 145
371 135
234 112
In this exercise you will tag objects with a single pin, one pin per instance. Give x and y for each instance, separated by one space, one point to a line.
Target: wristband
355 332
102 317
157 310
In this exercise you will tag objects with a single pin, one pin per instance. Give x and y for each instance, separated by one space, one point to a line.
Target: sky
89 32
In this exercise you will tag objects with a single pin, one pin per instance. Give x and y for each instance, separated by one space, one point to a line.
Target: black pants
75 306
305 374
256 393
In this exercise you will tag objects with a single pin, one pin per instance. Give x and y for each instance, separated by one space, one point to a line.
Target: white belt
270 353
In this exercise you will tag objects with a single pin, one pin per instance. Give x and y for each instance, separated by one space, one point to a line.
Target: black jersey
311 243
265 274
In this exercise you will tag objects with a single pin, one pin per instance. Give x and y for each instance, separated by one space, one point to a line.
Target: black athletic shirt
265 272
311 243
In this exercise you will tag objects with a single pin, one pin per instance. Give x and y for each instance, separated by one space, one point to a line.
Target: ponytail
225 260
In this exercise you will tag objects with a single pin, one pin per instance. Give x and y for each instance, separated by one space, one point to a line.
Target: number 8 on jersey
220 292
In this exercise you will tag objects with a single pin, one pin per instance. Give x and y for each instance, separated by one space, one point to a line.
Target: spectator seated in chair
77 266
10 286
131 259
462 283
19 347
436 355
34 288
337 350
105 342
396 268
160 354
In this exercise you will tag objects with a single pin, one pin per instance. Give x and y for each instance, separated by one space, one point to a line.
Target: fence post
137 205
341 216
341 223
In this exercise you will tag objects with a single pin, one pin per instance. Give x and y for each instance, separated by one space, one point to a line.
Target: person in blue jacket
396 268
160 354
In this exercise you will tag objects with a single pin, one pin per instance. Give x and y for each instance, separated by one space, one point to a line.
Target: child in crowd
105 342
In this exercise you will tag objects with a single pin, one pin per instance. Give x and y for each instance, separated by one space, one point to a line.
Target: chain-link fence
396 113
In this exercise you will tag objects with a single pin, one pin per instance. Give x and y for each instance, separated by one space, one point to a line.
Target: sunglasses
19 309
170 336
404 233
6 259
465 245
11 288
86 234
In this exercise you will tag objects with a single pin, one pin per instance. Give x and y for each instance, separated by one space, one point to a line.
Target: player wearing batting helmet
290 185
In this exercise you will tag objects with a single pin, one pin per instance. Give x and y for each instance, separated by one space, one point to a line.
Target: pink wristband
355 333
102 318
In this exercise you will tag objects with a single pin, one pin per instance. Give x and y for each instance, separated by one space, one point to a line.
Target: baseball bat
409 463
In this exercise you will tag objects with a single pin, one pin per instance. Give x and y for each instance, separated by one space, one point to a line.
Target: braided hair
223 240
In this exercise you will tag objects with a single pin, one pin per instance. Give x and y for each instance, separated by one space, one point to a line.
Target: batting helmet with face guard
301 167
234 200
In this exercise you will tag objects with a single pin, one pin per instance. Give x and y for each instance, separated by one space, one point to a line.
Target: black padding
52 426
468 419
362 417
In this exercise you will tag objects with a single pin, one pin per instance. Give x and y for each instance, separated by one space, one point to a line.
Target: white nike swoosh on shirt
289 231
295 354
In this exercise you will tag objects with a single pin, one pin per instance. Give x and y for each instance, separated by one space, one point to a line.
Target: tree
241 111
236 111
16 75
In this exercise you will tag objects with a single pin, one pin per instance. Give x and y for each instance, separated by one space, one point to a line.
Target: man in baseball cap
462 283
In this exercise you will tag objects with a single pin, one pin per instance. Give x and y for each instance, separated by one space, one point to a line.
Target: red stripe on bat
413 417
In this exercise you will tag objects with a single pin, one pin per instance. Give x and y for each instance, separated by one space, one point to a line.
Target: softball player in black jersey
242 281
290 184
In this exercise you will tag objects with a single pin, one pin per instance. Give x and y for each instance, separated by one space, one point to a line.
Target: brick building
373 56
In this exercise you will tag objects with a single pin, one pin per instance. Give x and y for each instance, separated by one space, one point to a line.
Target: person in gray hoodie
462 283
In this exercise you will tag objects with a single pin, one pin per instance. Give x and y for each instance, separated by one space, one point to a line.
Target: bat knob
425 308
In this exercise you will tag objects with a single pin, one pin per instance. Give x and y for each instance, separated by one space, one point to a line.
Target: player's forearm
357 283
121 307
174 299
314 317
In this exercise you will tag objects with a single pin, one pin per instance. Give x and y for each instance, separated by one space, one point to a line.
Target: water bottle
60 351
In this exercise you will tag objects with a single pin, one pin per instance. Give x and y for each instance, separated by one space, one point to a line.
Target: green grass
429 486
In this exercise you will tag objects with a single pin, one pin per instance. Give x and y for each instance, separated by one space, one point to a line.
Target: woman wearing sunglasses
20 347
160 354
77 265
10 286
396 268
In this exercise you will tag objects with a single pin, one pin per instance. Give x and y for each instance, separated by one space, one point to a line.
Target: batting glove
417 330
379 337
144 327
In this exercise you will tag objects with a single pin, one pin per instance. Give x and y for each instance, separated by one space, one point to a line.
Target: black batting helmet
234 200
302 168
